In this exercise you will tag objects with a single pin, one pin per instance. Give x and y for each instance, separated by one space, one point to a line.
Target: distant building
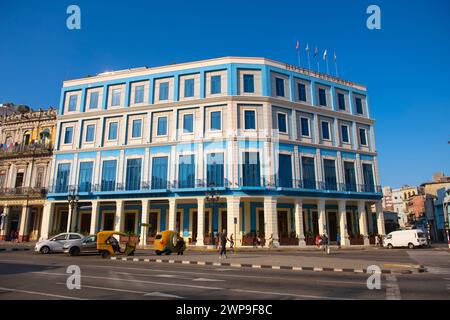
388 204
442 212
399 198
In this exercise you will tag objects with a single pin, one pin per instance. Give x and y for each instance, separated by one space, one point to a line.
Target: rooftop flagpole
297 47
325 58
335 65
309 61
315 57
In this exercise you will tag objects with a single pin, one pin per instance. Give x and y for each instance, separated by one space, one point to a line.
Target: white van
405 238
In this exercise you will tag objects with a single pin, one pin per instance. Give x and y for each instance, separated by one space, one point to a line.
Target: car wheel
105 254
45 250
410 245
158 253
74 251
390 246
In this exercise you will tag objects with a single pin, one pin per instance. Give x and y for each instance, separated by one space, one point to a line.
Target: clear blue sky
405 65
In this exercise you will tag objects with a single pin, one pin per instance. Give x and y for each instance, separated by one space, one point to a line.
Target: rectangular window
359 108
73 103
309 173
186 174
341 101
350 177
68 135
133 181
304 122
249 83
329 167
362 137
164 91
325 130
159 172
109 175
249 120
136 128
215 170
90 133
322 97
369 185
112 131
116 93
279 87
188 123
216 85
93 100
285 171
162 126
85 178
251 171
189 88
344 134
301 92
282 122
139 94
62 178
216 121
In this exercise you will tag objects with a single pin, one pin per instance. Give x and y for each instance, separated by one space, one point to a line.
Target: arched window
45 136
26 138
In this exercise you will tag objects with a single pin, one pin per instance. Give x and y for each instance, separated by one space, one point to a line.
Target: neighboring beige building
399 199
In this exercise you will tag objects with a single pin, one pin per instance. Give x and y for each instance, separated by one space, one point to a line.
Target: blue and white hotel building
290 152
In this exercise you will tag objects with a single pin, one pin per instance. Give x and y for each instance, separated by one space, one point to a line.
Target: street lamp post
73 199
212 197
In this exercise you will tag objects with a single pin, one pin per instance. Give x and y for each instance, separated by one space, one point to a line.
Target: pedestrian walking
231 242
338 240
326 248
223 244
318 241
270 241
258 241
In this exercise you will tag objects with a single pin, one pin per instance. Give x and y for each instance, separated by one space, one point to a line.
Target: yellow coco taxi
167 242
108 244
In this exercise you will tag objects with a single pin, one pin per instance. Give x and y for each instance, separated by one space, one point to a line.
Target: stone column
363 222
270 219
200 221
298 217
369 219
94 217
144 222
23 229
172 214
380 218
345 241
4 223
322 219
118 225
232 213
47 214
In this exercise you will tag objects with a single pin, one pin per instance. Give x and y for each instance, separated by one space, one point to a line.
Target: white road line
392 288
41 294
289 294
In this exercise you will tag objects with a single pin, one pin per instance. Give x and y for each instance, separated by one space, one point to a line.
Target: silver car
56 243
86 245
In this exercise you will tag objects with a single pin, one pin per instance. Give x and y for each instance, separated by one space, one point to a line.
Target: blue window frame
301 92
93 100
309 173
164 91
362 136
216 121
250 119
112 131
285 170
322 97
325 130
139 94
116 93
215 170
251 170
159 172
133 181
359 107
249 83
189 88
350 177
136 128
109 175
73 103
68 135
186 172
341 101
216 84
90 132
330 174
188 123
344 134
62 178
85 177
282 122
369 185
162 126
304 122
279 87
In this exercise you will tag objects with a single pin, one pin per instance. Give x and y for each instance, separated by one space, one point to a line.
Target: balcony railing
23 192
159 186
15 151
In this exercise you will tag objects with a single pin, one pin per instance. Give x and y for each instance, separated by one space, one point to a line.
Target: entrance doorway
283 231
350 224
332 226
261 223
178 223
63 219
194 226
223 222
130 221
85 223
315 223
108 224
153 224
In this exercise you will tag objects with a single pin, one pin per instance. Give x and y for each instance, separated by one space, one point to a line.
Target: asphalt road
27 275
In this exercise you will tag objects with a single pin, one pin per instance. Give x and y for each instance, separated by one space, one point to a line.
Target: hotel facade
289 152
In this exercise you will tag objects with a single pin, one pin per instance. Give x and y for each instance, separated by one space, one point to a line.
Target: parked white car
405 238
56 243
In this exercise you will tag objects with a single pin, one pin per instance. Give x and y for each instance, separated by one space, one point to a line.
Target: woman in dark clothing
223 244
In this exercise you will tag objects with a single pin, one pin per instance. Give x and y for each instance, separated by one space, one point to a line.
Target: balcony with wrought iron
23 193
19 151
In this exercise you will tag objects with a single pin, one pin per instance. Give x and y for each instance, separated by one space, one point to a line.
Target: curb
421 269
15 249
